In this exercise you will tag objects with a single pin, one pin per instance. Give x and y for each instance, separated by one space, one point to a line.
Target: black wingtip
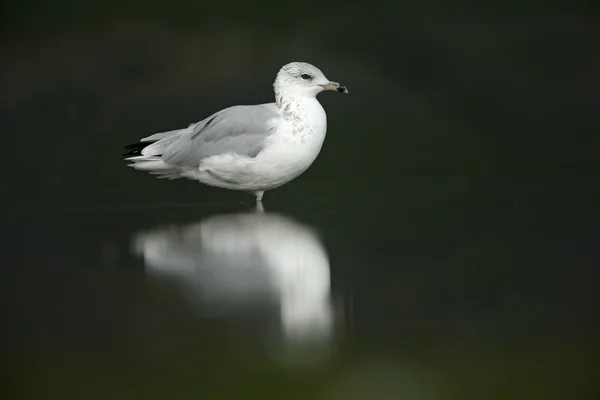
135 149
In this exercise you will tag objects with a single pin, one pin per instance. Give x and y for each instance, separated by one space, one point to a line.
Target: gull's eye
305 76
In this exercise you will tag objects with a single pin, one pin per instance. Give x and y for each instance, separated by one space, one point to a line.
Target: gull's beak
335 86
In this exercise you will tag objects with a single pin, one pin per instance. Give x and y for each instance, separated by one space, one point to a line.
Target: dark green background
456 194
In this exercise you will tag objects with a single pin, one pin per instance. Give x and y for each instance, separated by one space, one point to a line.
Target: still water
398 301
444 245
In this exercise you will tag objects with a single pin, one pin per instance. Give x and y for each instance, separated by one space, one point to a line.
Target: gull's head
304 79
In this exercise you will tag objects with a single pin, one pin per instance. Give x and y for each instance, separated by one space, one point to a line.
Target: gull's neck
305 113
294 105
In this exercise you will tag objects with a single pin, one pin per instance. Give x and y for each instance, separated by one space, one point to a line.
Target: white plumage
250 148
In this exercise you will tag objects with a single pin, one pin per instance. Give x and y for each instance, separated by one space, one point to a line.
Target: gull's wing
239 129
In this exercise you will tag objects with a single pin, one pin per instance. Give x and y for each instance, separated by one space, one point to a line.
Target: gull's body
248 148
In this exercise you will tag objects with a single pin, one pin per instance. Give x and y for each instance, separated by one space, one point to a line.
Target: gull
251 148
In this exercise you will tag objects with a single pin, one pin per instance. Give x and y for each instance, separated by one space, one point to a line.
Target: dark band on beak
336 86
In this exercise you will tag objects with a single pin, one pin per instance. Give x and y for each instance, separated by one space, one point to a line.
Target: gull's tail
146 154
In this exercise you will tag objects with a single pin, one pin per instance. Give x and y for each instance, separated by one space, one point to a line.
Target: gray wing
239 129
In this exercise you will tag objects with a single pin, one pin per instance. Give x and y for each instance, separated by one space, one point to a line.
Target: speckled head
304 79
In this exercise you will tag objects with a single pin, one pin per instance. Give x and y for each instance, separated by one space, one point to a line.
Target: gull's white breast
296 143
292 148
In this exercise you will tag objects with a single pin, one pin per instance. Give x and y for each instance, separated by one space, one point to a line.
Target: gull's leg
259 195
259 205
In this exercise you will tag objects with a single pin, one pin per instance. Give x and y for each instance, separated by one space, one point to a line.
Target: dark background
456 193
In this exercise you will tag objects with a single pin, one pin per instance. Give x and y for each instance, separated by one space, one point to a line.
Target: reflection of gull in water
238 259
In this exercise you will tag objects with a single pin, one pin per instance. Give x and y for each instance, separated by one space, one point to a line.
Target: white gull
248 148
